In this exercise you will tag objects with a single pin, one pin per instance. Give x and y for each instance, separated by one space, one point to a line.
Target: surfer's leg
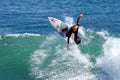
65 30
77 40
68 34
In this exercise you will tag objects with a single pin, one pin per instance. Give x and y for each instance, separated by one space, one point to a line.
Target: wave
54 62
95 58
58 63
109 60
23 35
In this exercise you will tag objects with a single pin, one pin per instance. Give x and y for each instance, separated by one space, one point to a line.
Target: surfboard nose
50 18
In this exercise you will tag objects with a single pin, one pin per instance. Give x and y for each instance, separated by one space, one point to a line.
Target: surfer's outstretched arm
78 19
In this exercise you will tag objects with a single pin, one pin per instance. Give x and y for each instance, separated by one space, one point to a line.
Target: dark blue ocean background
30 16
30 49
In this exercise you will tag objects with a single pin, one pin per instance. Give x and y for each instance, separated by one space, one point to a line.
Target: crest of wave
109 61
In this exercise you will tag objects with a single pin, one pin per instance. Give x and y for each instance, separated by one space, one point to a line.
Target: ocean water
30 49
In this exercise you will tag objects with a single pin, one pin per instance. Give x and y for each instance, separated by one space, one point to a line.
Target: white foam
69 21
84 77
23 35
78 65
103 34
109 61
82 31
77 54
36 59
66 65
50 39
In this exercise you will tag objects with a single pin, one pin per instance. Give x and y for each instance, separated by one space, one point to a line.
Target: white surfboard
58 25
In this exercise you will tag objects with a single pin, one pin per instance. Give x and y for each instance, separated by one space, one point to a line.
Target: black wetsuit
68 34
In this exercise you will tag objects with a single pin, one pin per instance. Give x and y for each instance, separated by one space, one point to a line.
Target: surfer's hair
75 26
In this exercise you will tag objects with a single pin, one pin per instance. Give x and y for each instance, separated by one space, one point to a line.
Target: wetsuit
76 37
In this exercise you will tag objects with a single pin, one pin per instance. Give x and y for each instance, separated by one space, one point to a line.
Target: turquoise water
15 53
30 49
44 57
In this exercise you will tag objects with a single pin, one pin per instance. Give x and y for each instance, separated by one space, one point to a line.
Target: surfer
73 29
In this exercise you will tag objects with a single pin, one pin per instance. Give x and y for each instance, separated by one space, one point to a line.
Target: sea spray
109 60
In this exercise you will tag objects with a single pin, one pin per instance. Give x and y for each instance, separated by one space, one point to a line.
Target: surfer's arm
78 19
68 39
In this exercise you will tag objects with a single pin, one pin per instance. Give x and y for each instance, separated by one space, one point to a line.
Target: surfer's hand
68 46
81 15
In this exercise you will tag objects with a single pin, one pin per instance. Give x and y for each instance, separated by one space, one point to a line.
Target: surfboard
58 25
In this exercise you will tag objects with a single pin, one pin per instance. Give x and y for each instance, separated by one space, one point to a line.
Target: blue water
30 49
19 16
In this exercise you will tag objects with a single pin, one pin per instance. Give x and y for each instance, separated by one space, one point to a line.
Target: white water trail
65 65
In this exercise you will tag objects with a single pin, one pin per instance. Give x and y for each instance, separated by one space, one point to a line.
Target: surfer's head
75 27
